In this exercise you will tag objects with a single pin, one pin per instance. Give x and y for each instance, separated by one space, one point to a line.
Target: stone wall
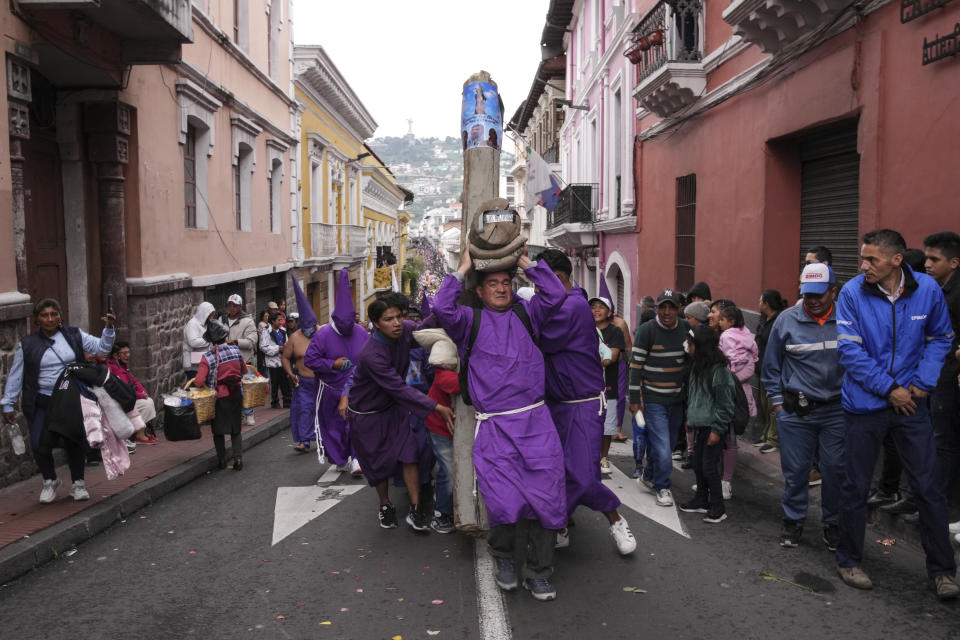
157 317
14 324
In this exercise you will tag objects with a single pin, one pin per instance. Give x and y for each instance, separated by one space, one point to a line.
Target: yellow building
333 125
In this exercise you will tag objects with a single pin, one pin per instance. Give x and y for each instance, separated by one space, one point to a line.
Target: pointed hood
425 309
344 313
308 319
605 293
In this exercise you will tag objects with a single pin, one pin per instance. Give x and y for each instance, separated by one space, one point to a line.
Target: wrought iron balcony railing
669 32
577 203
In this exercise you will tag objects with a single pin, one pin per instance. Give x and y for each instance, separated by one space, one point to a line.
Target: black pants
236 445
528 543
279 386
706 466
944 412
48 468
891 468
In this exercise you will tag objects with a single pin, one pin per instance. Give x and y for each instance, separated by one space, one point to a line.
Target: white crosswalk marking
296 506
631 494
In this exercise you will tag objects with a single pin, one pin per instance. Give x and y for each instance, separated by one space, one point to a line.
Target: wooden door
43 204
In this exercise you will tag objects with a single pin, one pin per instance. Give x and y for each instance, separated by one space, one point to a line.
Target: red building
766 127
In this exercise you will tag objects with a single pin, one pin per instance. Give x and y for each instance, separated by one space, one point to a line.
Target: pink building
150 158
765 127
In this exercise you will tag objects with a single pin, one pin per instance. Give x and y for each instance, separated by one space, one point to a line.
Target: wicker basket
204 402
254 390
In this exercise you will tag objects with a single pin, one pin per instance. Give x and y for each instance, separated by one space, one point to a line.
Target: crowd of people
551 373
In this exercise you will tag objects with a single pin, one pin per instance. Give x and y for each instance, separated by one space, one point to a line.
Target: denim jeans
914 438
663 421
823 431
443 485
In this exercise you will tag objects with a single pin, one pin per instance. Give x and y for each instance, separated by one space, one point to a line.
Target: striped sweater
658 365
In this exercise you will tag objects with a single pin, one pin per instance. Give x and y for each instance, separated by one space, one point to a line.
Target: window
237 202
686 231
236 21
241 20
274 182
190 178
274 18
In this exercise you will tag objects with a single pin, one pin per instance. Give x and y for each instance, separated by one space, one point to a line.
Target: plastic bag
180 423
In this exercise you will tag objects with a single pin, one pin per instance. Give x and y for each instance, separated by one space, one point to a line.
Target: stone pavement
32 533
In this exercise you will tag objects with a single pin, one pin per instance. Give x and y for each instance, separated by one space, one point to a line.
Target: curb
27 554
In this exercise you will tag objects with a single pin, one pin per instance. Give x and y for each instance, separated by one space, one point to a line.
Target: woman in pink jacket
119 365
740 347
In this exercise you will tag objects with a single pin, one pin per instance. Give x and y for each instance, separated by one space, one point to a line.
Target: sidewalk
32 533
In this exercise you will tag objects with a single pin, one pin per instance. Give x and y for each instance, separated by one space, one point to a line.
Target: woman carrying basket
222 368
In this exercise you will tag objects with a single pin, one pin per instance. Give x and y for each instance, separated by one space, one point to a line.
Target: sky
409 59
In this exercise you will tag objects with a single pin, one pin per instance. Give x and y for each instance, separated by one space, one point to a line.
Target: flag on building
542 188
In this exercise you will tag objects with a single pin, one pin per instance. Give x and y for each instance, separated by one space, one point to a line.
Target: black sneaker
790 534
695 506
687 462
442 523
506 576
388 516
716 514
540 588
831 536
416 518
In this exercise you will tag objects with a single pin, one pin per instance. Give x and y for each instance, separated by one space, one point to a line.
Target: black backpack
521 313
741 408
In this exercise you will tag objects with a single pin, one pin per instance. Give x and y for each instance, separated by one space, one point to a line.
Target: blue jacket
801 356
883 345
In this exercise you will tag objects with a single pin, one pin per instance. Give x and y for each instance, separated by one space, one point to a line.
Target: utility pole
481 134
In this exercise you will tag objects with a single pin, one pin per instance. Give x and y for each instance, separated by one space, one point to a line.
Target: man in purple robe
379 406
575 397
302 403
332 355
516 453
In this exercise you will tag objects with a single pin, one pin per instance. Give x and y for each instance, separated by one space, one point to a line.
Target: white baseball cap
235 299
816 278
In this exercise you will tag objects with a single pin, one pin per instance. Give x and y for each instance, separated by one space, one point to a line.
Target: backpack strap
464 364
524 318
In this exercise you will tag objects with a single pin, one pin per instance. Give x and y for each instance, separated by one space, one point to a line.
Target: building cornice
316 74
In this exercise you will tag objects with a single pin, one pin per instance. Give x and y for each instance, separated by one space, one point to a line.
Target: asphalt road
201 563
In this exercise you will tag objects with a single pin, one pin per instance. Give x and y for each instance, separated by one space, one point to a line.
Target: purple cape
518 457
326 346
380 404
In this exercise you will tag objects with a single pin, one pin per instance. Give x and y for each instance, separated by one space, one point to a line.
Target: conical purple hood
425 306
308 319
605 293
344 313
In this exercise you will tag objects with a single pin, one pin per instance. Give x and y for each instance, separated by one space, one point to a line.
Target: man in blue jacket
801 374
893 334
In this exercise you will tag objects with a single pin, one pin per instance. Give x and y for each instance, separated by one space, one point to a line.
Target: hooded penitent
308 319
605 293
344 312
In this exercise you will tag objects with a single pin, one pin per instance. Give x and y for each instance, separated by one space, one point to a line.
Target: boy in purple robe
516 453
303 379
380 402
332 354
574 390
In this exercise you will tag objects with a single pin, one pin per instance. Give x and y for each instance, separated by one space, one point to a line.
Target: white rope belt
602 397
481 417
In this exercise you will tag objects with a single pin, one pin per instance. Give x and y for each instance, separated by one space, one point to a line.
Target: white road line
296 506
330 475
643 502
494 620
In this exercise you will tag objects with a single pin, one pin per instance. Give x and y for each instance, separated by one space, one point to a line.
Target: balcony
774 24
323 242
382 279
151 31
570 225
668 51
551 154
342 244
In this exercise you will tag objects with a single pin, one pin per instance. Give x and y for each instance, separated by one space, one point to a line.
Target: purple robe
569 342
518 457
325 347
381 402
303 410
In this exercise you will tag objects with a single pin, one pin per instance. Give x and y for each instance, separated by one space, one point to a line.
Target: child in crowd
443 357
740 348
710 405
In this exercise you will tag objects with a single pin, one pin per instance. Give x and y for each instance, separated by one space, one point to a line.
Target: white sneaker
955 527
665 498
605 467
693 487
626 543
957 538
249 420
355 470
49 492
79 491
727 489
563 539
676 455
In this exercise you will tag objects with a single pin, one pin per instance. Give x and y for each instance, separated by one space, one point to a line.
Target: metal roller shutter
621 297
830 197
